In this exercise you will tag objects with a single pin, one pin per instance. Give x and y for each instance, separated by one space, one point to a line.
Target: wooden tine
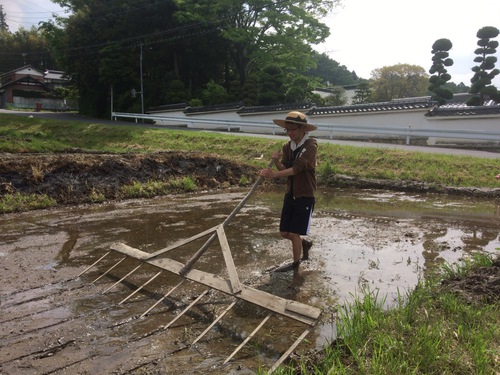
289 351
123 278
269 314
140 288
187 308
93 264
215 321
105 273
162 298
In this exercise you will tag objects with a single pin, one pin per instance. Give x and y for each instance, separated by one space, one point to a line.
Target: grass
155 188
24 134
430 331
22 202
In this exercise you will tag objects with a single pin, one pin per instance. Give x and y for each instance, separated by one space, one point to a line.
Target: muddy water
54 321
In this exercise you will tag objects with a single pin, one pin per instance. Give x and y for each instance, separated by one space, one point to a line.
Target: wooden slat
130 251
183 242
298 311
228 258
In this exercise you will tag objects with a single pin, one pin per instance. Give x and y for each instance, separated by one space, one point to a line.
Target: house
55 79
27 87
26 78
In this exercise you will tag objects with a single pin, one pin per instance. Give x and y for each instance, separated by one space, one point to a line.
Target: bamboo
109 269
123 278
93 264
140 288
269 314
214 322
187 308
162 298
289 351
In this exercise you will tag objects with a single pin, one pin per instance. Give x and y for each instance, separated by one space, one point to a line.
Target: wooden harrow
229 285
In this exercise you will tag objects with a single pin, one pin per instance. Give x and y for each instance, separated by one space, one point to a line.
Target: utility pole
142 84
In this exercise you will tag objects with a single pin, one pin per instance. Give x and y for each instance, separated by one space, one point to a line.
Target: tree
24 47
194 41
485 72
440 75
272 82
258 31
4 27
300 89
330 71
362 93
214 94
336 98
102 45
399 81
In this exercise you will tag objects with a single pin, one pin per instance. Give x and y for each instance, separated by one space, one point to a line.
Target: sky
366 34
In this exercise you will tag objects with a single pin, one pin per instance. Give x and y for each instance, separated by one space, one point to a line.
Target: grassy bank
432 330
23 134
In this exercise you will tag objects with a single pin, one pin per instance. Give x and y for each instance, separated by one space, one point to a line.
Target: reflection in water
69 245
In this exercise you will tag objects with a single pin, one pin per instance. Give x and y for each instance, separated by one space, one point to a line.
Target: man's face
294 132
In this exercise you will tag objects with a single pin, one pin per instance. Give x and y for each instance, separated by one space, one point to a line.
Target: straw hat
297 118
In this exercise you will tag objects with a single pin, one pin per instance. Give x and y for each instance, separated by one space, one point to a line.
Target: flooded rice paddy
56 322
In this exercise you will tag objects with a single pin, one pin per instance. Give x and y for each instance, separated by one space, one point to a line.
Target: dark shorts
296 214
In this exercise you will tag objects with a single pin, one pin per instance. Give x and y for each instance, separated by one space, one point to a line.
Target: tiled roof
464 110
213 108
393 105
457 106
275 108
167 107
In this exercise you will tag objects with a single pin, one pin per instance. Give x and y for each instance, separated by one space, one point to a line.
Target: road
71 116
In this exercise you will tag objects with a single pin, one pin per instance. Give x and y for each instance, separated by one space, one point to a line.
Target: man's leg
296 245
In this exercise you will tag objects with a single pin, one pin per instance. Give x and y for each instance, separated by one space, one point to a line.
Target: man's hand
268 173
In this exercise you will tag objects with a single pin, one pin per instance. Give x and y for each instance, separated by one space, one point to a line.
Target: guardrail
406 132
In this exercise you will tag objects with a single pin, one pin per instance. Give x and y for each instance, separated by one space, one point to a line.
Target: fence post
408 136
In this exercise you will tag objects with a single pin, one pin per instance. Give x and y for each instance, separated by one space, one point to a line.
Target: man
296 162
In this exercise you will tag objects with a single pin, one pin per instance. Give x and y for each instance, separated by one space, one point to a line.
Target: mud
79 177
72 178
56 322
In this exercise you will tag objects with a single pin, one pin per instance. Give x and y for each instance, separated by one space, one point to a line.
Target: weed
37 173
20 202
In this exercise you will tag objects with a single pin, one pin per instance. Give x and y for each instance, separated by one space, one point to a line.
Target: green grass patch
152 188
20 202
